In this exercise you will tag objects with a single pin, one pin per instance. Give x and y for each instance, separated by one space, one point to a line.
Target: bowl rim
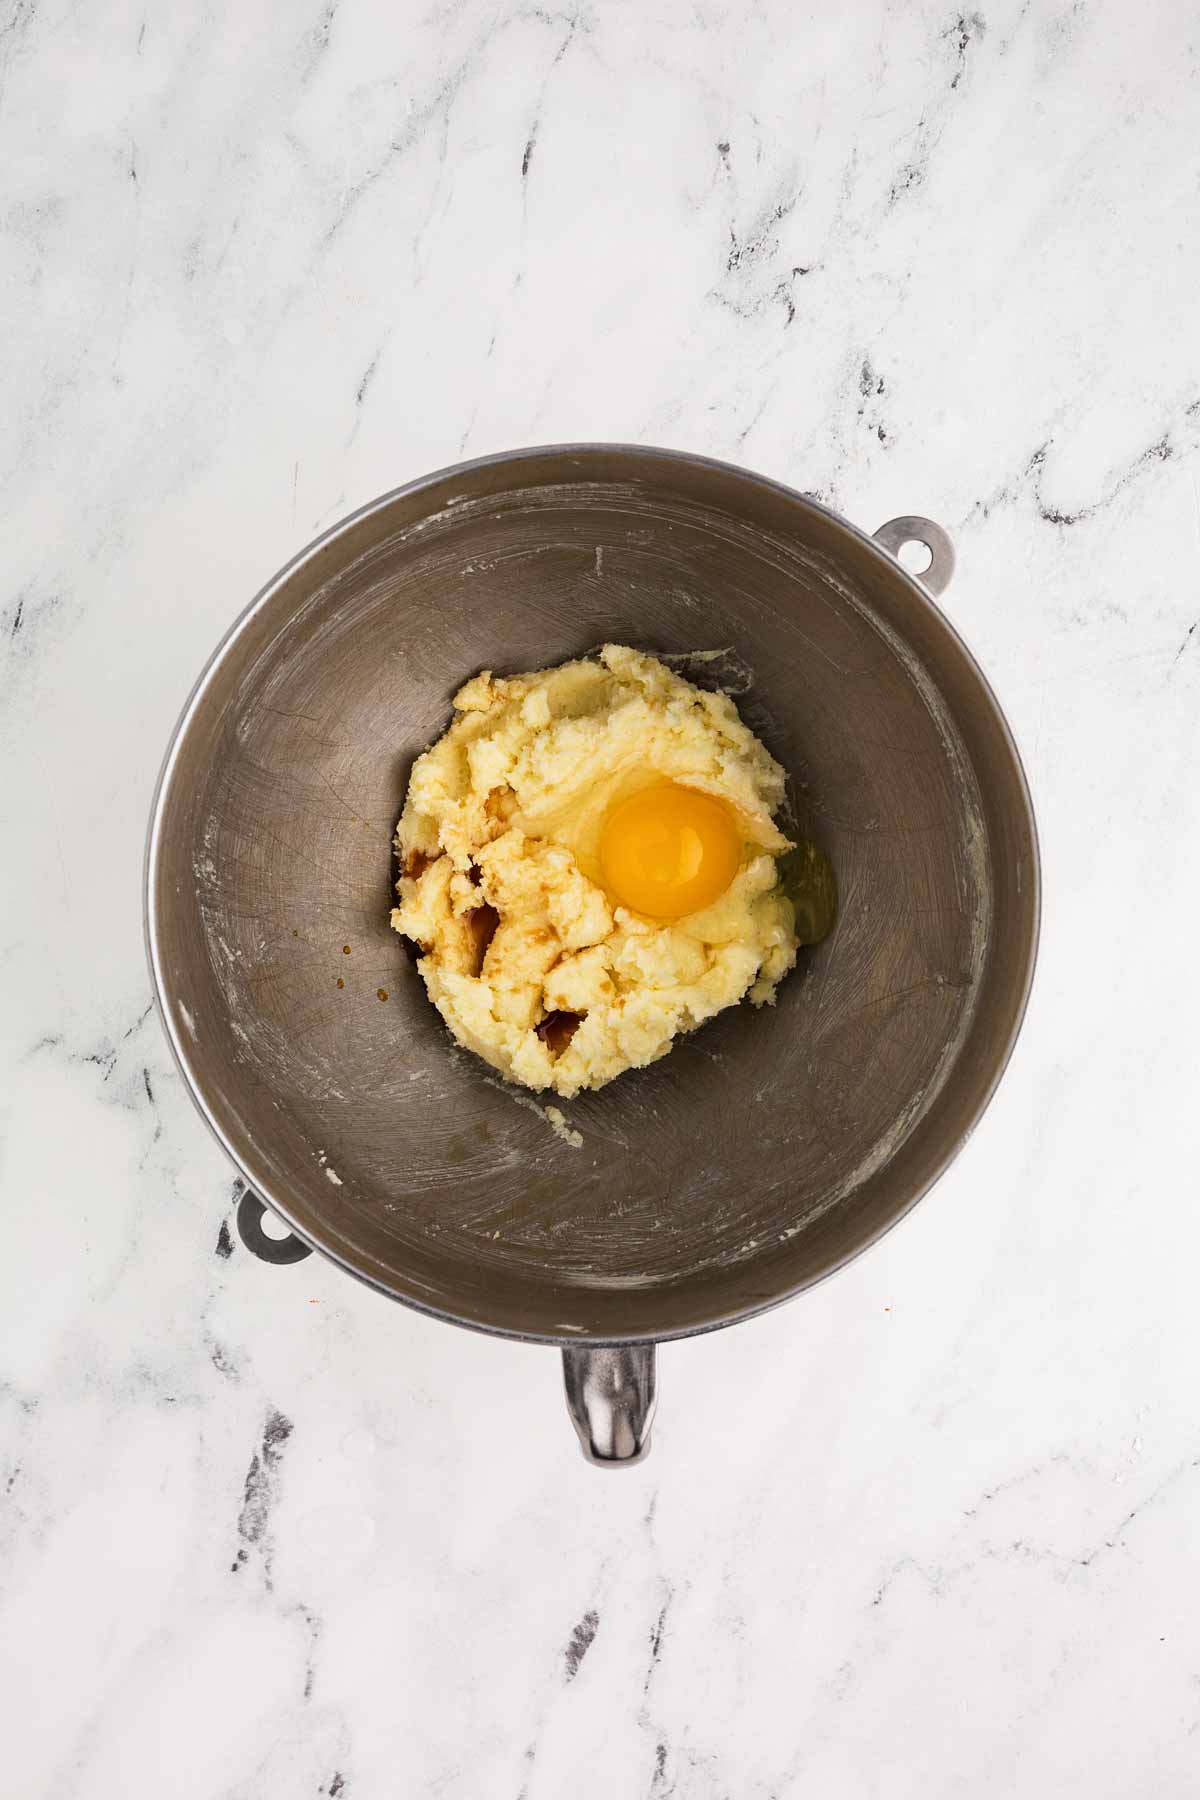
195 699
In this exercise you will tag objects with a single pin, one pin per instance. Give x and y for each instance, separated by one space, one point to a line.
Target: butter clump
530 962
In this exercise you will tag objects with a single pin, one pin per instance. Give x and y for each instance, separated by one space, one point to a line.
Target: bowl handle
911 529
610 1396
288 1249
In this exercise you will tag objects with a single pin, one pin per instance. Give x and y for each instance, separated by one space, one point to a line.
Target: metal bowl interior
765 1150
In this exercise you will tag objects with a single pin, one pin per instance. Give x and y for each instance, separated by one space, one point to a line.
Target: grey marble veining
264 1535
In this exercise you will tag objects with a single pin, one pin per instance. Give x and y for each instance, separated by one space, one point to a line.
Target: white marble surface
931 1531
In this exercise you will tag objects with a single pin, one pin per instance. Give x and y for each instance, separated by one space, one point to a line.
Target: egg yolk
669 850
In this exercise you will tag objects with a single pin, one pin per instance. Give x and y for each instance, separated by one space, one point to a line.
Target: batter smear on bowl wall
589 868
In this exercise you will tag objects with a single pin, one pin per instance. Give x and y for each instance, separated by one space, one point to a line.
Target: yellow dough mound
531 963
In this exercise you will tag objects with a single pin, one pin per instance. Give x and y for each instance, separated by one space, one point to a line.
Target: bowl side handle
912 529
250 1215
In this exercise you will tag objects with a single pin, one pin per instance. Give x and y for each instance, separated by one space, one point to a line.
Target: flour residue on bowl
327 1169
553 1116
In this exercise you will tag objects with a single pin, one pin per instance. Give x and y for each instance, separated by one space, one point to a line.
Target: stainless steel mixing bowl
764 1151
